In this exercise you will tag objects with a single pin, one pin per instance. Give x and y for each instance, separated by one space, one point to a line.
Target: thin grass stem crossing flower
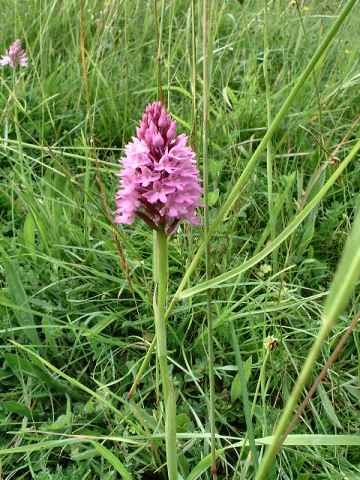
159 180
15 55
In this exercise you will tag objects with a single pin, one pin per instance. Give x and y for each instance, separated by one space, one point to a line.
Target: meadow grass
76 292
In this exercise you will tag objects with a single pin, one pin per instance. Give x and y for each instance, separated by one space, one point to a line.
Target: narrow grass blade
328 407
201 467
269 148
35 447
316 440
278 204
291 441
206 6
113 460
29 233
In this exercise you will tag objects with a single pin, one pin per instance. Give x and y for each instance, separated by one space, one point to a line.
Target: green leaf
61 424
316 440
18 295
213 197
21 366
15 407
113 460
315 184
236 383
183 423
201 467
328 407
29 233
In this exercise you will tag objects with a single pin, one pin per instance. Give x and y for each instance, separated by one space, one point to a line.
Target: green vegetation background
87 286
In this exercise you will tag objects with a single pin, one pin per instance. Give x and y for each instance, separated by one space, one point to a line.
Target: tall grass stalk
193 78
158 33
341 289
205 138
269 149
160 95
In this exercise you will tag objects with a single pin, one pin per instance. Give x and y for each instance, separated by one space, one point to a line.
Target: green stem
261 384
244 395
269 148
193 76
161 258
206 87
263 391
158 35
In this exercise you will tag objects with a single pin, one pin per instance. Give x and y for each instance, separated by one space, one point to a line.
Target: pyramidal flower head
159 180
15 55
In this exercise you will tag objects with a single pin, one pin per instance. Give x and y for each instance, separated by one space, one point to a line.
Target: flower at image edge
14 55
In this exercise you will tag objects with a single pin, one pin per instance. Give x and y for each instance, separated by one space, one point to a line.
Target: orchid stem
161 282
